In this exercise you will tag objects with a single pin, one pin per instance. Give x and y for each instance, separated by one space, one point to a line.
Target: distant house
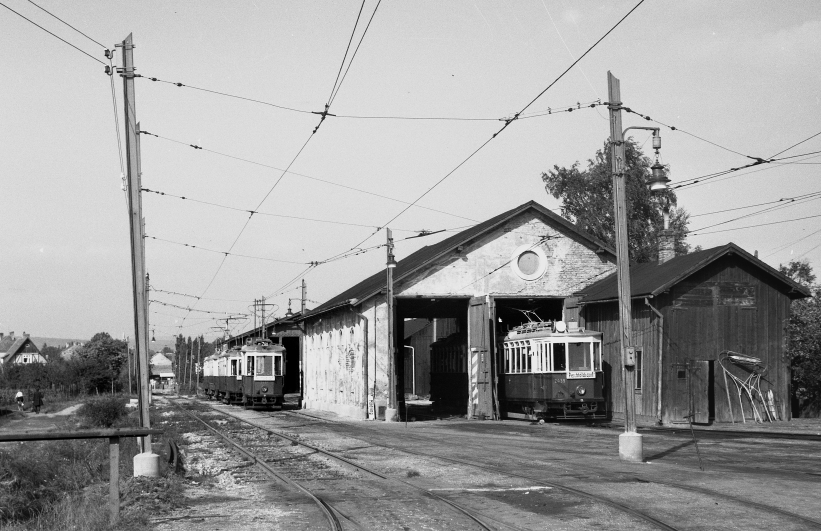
161 369
71 350
14 350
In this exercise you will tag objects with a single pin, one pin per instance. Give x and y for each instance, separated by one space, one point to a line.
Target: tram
553 372
261 384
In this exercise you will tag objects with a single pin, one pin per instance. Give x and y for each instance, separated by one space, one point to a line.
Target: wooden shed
686 311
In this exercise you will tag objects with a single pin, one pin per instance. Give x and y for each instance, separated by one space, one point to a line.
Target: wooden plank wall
604 318
728 305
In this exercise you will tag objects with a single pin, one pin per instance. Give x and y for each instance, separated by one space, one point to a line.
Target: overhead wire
754 226
285 171
66 23
507 123
324 181
53 34
787 202
225 253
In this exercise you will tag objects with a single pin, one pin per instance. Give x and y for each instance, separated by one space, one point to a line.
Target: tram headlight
264 389
580 390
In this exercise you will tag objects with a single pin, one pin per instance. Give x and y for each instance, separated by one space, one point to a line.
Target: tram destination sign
577 375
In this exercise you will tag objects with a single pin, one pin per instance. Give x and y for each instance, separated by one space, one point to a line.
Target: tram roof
651 279
419 259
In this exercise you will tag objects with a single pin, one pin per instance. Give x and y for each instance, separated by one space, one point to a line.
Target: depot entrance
448 350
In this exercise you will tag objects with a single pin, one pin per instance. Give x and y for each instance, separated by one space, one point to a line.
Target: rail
113 436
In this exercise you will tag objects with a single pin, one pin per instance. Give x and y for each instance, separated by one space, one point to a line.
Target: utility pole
304 296
630 442
146 463
391 411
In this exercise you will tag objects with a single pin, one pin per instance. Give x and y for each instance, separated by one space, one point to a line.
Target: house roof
419 259
651 279
10 346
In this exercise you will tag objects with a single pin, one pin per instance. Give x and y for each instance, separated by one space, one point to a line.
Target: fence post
114 482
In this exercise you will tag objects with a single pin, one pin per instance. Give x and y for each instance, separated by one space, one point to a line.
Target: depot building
463 293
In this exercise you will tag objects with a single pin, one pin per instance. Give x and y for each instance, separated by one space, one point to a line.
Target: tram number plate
581 374
559 380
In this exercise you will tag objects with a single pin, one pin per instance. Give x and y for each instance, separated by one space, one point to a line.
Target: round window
528 262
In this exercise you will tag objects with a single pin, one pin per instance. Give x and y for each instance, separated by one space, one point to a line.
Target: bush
103 412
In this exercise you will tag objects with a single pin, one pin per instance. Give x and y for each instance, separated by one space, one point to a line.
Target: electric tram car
546 372
552 372
262 379
251 375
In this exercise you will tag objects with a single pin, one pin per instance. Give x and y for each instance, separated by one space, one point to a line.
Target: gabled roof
14 346
651 279
419 259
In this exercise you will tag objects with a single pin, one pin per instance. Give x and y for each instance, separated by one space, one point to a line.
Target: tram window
528 359
559 357
579 356
234 364
250 366
264 366
277 365
596 357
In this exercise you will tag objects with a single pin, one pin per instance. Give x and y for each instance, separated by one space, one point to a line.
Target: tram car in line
262 379
552 372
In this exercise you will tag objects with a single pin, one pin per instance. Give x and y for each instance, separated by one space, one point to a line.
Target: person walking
19 399
36 400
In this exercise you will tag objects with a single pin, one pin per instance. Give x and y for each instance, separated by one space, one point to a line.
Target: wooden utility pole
304 296
132 132
630 447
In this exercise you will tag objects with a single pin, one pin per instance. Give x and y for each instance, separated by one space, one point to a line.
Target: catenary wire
754 226
507 123
67 24
790 244
53 35
796 144
345 56
793 202
752 206
325 181
224 253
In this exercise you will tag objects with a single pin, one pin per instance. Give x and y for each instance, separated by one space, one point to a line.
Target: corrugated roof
415 261
651 279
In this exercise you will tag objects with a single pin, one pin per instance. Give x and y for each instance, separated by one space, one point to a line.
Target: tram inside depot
432 334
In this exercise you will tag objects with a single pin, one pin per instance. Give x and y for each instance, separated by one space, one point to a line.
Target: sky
738 79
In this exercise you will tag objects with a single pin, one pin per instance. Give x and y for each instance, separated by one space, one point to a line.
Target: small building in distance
14 350
686 311
162 372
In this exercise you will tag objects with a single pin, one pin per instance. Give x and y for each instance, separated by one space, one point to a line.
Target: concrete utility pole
145 463
630 442
391 411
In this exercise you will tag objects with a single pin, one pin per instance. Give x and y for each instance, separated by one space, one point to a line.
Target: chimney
25 334
667 246
2 335
11 334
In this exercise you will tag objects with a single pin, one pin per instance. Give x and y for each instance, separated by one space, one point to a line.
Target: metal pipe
413 367
661 348
365 361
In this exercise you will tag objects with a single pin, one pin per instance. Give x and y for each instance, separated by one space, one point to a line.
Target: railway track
509 458
334 524
482 519
334 516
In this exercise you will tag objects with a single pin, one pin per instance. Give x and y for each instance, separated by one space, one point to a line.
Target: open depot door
482 398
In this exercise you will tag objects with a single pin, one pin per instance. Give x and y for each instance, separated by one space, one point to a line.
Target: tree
587 201
50 353
101 360
804 342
